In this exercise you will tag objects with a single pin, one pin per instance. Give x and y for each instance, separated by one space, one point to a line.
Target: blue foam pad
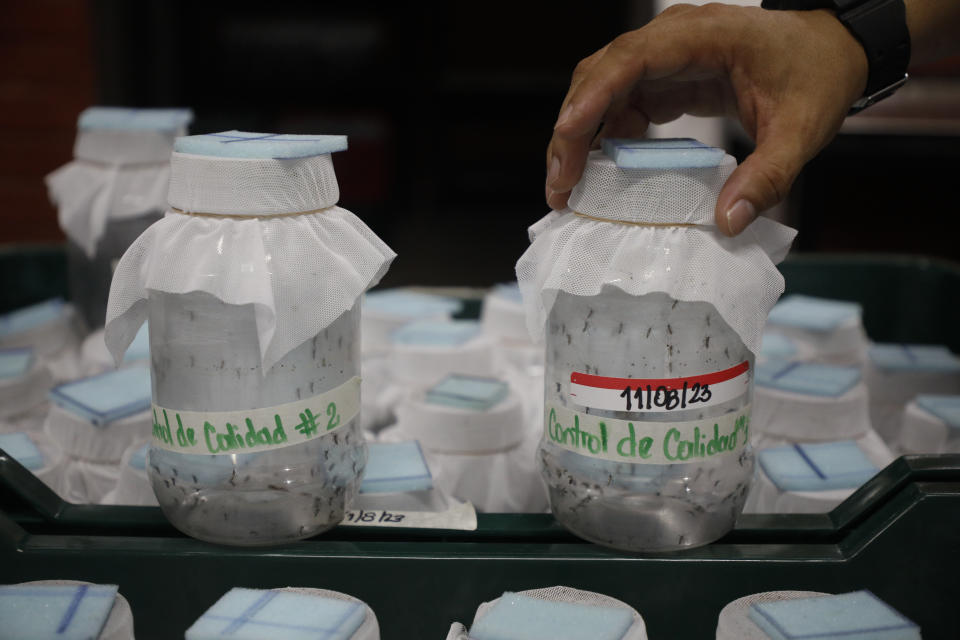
139 458
947 408
778 347
468 392
409 304
519 617
914 357
430 333
15 362
107 397
126 119
31 317
396 467
661 153
241 144
139 349
849 616
509 291
807 378
817 467
816 314
254 614
65 612
21 448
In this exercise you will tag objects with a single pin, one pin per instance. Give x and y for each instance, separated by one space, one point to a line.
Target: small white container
827 331
96 358
51 329
386 310
931 424
424 352
734 622
24 383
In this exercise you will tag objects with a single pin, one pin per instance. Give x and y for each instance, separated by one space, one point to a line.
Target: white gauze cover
637 630
578 255
734 622
300 272
115 174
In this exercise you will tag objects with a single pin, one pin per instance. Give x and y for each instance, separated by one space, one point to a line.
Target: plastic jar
651 319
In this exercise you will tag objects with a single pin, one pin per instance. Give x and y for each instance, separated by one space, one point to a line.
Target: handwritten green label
250 430
641 442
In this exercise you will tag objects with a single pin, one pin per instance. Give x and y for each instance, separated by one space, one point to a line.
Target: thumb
760 182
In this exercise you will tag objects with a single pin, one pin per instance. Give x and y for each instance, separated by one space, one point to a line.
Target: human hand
789 76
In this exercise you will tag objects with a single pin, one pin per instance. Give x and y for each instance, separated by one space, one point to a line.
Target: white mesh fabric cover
300 272
734 622
369 629
637 630
923 432
579 255
766 497
116 174
86 482
802 417
29 421
24 393
119 624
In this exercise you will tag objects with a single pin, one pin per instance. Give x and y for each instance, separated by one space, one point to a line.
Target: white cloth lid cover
300 272
810 418
579 255
734 622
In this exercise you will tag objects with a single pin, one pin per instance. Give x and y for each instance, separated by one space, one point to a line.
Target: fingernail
554 171
741 214
549 194
564 116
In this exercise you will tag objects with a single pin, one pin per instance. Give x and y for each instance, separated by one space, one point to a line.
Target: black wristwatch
880 26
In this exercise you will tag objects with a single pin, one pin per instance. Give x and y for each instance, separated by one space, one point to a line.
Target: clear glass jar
89 278
205 357
638 506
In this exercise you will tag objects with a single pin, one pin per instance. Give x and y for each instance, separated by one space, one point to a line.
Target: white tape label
640 442
634 395
460 515
251 430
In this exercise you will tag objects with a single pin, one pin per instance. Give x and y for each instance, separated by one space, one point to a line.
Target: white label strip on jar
636 395
461 516
640 442
252 430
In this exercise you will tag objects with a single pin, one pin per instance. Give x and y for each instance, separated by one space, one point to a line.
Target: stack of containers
24 382
94 420
479 446
651 319
252 284
898 373
115 187
802 405
51 330
931 424
823 330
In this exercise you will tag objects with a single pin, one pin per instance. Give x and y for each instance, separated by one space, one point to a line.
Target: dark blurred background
448 109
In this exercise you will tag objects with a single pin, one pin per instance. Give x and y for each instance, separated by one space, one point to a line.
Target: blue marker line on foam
72 609
251 611
269 135
787 369
806 458
346 615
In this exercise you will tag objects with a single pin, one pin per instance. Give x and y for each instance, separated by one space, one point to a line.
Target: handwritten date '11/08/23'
668 399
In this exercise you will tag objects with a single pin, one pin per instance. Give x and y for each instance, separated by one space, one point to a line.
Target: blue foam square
26 318
926 358
106 397
254 614
15 362
661 153
815 314
396 467
21 448
849 616
777 347
65 612
519 617
947 408
807 378
430 333
243 144
409 304
817 467
128 119
509 291
467 392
